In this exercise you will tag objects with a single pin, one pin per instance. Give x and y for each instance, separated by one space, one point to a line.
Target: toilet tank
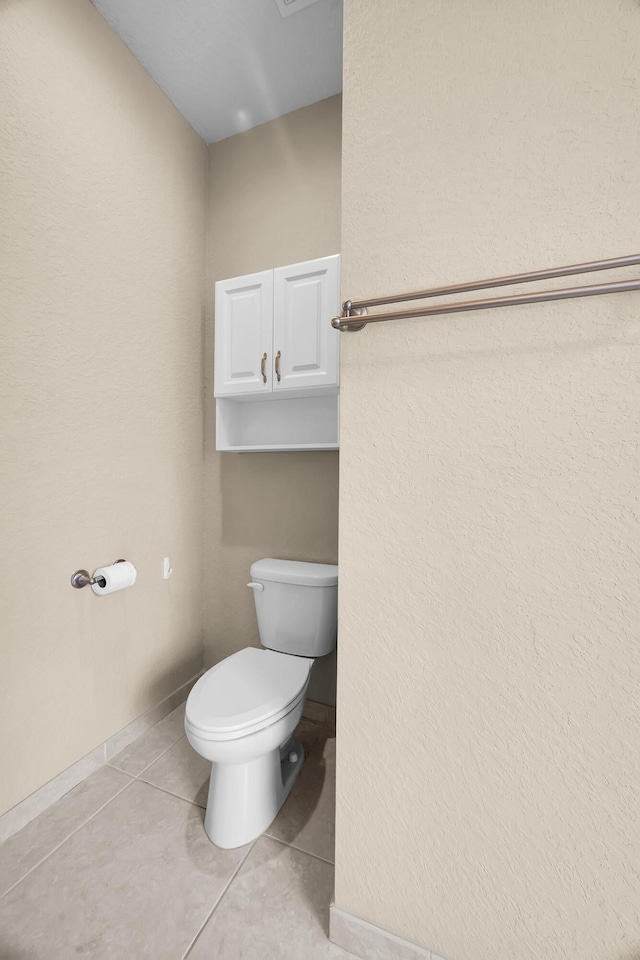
296 606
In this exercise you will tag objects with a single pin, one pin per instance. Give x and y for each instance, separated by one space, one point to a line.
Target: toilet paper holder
82 578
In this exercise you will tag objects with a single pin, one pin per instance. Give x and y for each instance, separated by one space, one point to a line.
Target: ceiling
229 65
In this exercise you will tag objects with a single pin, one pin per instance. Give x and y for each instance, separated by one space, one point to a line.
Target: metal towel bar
355 316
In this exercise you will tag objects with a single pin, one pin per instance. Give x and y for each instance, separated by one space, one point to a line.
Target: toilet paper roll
115 577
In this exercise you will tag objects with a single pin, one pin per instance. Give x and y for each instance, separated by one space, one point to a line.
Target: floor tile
312 710
182 772
277 908
308 733
307 818
137 881
21 852
146 749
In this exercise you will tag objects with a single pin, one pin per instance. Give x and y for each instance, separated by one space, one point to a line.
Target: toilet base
244 798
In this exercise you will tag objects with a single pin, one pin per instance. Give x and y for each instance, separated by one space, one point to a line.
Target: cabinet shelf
309 423
277 448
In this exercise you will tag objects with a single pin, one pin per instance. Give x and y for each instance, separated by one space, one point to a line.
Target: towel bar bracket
348 310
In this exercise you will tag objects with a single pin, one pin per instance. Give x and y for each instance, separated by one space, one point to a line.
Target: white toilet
242 713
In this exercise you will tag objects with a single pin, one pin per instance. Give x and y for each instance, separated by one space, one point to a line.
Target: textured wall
488 742
274 199
102 225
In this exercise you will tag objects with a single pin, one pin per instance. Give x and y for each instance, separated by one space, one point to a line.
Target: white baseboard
369 942
36 803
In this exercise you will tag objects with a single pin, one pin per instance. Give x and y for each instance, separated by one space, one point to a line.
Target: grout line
161 755
216 904
136 776
108 763
321 728
69 835
299 849
176 796
316 723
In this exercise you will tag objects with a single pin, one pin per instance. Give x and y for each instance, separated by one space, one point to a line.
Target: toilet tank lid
295 571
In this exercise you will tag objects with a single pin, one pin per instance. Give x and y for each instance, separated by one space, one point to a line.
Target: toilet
241 714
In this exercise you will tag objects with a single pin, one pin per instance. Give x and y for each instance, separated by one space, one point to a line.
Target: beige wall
488 742
102 224
274 199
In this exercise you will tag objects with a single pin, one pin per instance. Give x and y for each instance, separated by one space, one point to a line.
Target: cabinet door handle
263 368
278 355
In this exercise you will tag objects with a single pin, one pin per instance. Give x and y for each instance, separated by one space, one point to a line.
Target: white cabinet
244 334
305 297
276 358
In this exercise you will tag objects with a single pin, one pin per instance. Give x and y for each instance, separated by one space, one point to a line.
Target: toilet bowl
241 713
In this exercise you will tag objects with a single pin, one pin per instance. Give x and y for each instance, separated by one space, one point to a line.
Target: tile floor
121 867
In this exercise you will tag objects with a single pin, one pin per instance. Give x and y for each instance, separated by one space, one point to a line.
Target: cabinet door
305 345
243 334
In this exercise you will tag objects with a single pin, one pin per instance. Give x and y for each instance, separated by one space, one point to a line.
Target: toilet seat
245 693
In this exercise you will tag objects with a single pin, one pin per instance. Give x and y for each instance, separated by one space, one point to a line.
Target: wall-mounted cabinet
277 358
306 347
244 335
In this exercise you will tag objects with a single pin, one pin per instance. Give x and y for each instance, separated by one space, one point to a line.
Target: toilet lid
248 687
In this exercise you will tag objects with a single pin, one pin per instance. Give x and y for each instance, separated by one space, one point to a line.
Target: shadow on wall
282 505
295 515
